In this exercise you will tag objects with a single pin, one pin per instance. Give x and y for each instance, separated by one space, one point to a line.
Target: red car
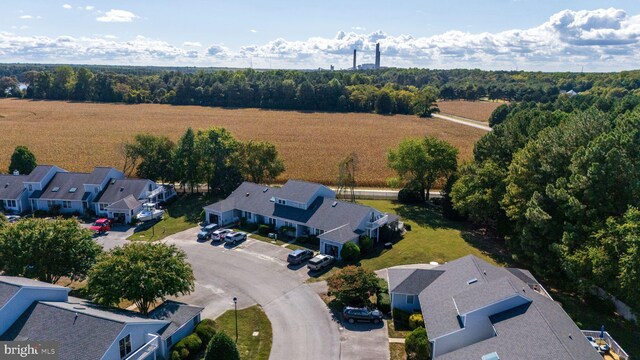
101 226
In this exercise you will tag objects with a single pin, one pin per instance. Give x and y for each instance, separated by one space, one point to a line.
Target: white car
219 234
319 262
235 237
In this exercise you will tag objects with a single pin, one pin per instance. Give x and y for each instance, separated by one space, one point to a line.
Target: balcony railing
613 345
379 222
148 350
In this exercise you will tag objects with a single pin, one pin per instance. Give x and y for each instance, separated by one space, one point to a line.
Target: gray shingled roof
321 214
298 191
128 203
65 181
177 313
97 175
523 275
11 186
38 173
538 330
120 189
26 282
7 291
416 281
340 235
79 337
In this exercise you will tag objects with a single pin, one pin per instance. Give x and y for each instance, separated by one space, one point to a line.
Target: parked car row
214 233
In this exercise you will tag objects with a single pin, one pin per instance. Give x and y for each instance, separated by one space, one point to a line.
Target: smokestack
354 59
378 56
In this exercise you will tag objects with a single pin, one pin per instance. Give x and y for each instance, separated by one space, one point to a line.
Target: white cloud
358 28
115 15
253 31
601 40
26 17
89 7
110 37
67 6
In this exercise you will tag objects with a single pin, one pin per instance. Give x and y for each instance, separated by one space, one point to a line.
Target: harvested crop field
78 136
474 110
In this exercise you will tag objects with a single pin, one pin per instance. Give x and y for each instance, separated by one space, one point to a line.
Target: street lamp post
235 306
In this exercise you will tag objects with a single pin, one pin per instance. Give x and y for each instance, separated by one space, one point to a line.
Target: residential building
474 310
123 198
15 189
73 192
34 311
307 208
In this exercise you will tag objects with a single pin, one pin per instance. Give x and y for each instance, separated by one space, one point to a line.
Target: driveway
257 273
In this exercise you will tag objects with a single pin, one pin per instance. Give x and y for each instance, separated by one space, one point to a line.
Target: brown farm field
78 136
474 110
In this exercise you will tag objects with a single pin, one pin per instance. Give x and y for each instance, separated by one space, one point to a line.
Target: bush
221 347
416 321
243 222
401 317
206 330
264 230
384 303
366 244
417 345
249 226
175 355
192 344
409 196
353 285
350 252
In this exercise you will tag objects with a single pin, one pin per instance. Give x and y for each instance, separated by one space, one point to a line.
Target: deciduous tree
260 161
22 160
353 285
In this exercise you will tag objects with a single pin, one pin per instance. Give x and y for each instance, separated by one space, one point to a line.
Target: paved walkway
396 340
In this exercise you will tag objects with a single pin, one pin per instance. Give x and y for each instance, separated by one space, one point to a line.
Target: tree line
212 157
560 182
386 91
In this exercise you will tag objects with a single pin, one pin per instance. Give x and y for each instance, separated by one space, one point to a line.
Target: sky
535 35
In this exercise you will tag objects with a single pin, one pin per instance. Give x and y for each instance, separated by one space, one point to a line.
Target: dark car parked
352 315
298 256
207 231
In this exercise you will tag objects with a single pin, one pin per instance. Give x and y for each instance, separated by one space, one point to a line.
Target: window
409 299
103 207
10 203
30 187
125 346
66 204
50 203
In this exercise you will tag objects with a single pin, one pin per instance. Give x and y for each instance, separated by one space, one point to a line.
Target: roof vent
472 281
273 199
6 185
334 204
247 194
55 189
122 189
113 181
265 190
491 356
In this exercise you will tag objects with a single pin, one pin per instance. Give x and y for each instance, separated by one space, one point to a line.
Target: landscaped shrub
249 226
188 346
384 303
243 222
417 345
366 244
264 229
206 330
175 355
401 317
287 230
350 252
221 347
416 321
409 196
313 240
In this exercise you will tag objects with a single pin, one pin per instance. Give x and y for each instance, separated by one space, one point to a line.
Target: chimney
16 172
378 56
354 59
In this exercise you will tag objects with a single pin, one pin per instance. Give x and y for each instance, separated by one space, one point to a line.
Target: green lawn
181 214
432 238
250 320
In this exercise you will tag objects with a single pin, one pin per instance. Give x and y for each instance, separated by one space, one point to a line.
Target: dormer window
55 189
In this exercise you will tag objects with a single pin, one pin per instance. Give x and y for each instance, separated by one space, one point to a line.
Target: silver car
235 237
219 234
319 262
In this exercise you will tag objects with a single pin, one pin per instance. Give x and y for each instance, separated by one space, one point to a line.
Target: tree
219 160
306 96
3 221
222 347
151 156
63 83
187 160
384 103
424 104
83 89
350 252
353 285
142 273
47 250
420 163
260 161
499 115
22 160
417 345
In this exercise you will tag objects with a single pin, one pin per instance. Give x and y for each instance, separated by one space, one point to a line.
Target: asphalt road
257 273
